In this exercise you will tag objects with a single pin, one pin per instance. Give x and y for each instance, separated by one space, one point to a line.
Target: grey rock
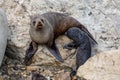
103 66
101 17
3 34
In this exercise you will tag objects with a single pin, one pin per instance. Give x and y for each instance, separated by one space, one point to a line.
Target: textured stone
3 34
101 17
103 66
61 75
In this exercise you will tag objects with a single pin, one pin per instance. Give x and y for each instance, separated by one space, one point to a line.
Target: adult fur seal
45 28
82 43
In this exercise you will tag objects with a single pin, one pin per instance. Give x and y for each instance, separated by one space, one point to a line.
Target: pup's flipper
93 41
55 52
30 52
72 74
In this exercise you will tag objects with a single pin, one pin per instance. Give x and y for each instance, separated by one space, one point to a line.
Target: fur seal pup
45 28
82 43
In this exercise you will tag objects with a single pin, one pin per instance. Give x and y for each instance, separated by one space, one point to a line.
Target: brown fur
45 28
53 25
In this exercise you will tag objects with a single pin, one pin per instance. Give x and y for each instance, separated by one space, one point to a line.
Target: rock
32 68
103 66
3 34
38 76
1 78
44 57
61 75
93 14
101 17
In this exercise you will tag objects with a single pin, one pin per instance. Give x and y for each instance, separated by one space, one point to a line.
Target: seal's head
40 29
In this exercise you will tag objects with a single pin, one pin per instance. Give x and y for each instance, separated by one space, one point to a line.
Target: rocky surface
3 34
103 66
101 17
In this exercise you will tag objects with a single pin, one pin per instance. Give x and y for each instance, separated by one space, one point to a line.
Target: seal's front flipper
30 52
55 52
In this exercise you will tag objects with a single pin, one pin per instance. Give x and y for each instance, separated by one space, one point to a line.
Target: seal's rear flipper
30 52
93 41
55 52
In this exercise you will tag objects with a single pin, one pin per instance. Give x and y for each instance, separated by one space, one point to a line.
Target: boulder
92 14
3 34
101 17
103 66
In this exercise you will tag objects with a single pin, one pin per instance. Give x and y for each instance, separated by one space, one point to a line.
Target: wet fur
82 43
53 25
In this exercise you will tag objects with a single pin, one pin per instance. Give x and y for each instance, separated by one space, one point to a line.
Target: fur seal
45 28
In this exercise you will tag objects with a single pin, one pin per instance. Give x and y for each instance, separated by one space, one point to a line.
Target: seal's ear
42 20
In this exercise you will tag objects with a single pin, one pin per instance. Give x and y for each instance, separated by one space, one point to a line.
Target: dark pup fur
82 43
45 28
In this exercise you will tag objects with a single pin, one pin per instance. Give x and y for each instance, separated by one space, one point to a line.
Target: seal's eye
42 20
34 23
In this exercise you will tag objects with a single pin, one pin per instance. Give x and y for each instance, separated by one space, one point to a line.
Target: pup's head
37 22
40 29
